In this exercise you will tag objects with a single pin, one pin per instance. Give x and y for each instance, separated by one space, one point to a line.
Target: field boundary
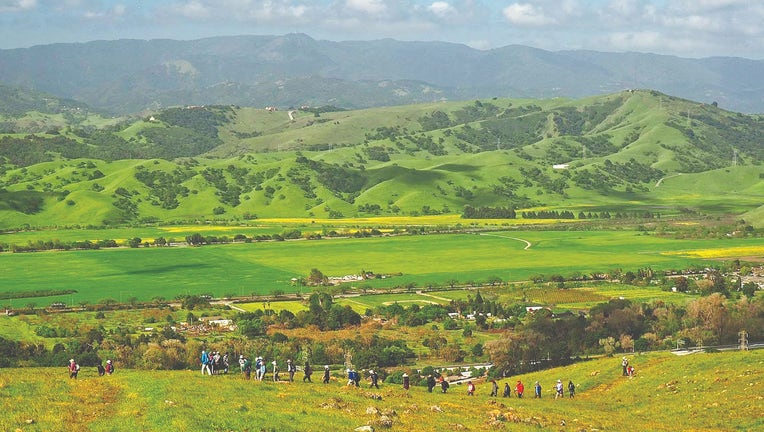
527 243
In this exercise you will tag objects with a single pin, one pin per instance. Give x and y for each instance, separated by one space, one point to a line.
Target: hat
289 360
241 355
108 361
71 360
371 371
559 380
273 362
326 366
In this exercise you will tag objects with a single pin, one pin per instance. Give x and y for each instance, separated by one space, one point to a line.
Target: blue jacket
205 357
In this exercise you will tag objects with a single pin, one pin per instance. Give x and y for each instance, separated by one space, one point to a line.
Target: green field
719 392
264 268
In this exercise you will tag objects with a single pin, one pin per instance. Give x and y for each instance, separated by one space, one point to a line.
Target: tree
316 277
134 242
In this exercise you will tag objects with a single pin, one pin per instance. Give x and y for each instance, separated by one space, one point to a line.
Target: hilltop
634 153
125 76
713 391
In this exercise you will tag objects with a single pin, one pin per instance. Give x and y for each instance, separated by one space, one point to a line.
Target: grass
719 392
263 268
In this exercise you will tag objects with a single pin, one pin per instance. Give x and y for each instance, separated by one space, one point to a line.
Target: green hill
635 152
719 392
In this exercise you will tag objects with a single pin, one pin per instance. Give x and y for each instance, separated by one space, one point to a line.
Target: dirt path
527 243
664 178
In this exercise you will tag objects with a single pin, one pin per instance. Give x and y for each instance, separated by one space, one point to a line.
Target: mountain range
125 76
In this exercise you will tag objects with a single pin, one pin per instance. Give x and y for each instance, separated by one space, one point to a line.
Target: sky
685 28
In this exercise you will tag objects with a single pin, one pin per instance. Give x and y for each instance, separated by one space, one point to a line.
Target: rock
364 429
436 408
30 421
372 410
385 421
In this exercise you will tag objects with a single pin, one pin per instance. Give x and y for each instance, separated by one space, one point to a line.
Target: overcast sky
687 28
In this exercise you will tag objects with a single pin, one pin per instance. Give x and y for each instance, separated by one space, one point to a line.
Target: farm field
669 393
419 261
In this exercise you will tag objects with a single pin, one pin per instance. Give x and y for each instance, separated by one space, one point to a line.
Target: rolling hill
637 152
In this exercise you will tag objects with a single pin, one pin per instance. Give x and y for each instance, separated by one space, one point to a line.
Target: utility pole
734 157
743 338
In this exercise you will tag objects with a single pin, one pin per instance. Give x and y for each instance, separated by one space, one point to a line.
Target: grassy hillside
628 153
699 392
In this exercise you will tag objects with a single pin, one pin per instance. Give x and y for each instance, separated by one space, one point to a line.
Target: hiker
326 374
226 363
494 388
444 384
217 363
470 388
571 389
205 360
406 382
625 366
519 389
558 388
74 369
357 378
308 372
109 367
507 391
430 383
538 390
101 370
275 371
374 379
291 369
262 369
630 371
246 367
351 377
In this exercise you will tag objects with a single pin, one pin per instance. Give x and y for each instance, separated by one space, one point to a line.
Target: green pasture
262 268
704 391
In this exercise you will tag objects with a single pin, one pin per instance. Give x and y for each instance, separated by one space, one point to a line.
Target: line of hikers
74 368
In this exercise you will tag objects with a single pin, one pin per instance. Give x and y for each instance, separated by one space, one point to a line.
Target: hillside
720 392
630 153
126 76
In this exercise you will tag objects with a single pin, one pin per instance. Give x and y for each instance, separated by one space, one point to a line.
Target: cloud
526 14
17 5
115 12
441 9
374 7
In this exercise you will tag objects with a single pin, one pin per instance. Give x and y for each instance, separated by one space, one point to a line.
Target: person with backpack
494 388
430 383
261 370
571 389
406 381
109 367
101 370
538 390
205 361
470 388
308 372
74 369
291 369
507 391
558 390
444 385
519 389
374 379
326 374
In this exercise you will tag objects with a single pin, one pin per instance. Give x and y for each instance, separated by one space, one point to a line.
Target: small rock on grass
364 429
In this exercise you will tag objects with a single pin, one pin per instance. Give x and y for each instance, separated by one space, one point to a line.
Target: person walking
470 388
109 367
246 367
519 389
327 374
571 389
430 383
558 390
291 369
308 371
507 391
74 369
205 361
625 366
374 379
263 369
494 388
275 371
406 382
444 384
101 369
538 390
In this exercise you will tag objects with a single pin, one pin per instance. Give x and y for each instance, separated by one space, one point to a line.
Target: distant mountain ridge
124 76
